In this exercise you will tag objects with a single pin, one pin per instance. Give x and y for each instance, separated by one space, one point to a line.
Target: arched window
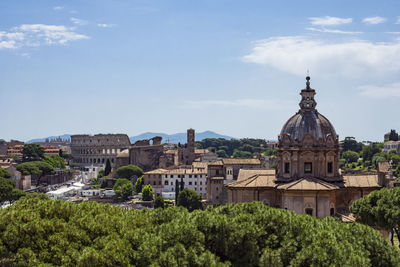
309 211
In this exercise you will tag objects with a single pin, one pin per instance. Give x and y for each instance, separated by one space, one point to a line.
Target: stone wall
96 149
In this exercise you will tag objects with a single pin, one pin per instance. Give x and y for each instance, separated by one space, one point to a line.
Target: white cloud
388 90
331 31
329 21
352 58
398 20
38 34
374 20
272 104
78 21
105 25
58 8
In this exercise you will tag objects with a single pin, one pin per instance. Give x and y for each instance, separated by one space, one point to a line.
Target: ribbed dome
308 122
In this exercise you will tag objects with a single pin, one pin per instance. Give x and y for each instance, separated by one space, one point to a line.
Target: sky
233 67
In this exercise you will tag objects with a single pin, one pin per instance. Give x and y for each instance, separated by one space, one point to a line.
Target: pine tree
107 170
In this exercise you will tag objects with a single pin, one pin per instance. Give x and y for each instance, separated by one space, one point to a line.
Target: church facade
307 178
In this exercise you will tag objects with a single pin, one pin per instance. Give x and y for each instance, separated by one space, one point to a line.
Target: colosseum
96 149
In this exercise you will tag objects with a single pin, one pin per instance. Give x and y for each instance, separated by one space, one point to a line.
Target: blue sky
233 67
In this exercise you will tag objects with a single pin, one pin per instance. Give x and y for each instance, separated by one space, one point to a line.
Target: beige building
307 178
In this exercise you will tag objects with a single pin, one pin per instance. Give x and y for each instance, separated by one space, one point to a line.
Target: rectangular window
195 176
190 183
190 176
166 183
307 167
330 167
287 167
201 183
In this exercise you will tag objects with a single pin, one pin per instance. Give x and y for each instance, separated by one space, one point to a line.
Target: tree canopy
189 199
56 161
380 208
37 168
159 202
123 188
8 192
129 171
32 152
350 156
237 148
4 173
147 193
139 184
39 231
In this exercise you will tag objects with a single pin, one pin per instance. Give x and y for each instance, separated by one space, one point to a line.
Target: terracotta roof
257 180
216 163
200 151
157 171
231 161
244 173
369 180
199 165
308 184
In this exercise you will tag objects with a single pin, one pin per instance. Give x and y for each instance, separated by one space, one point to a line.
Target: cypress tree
107 170
176 192
182 185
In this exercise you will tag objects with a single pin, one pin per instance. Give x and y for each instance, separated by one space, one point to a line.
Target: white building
391 145
194 179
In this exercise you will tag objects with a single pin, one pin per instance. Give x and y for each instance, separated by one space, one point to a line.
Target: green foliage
159 202
380 208
32 152
176 191
189 199
242 148
129 171
139 185
38 231
123 188
4 173
147 193
369 151
350 156
107 169
222 153
101 173
8 192
350 143
56 161
37 168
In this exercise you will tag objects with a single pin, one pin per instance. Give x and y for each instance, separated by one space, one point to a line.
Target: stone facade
96 149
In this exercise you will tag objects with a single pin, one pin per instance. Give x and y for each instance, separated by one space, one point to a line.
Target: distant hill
64 136
178 137
171 138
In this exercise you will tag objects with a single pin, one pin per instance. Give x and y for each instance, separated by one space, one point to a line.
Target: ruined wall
96 149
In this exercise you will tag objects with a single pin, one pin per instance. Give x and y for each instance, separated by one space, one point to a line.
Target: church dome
308 121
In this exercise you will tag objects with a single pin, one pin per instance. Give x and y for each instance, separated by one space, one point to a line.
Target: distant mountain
171 138
64 136
178 137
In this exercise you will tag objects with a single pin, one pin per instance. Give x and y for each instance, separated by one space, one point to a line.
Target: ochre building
307 178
